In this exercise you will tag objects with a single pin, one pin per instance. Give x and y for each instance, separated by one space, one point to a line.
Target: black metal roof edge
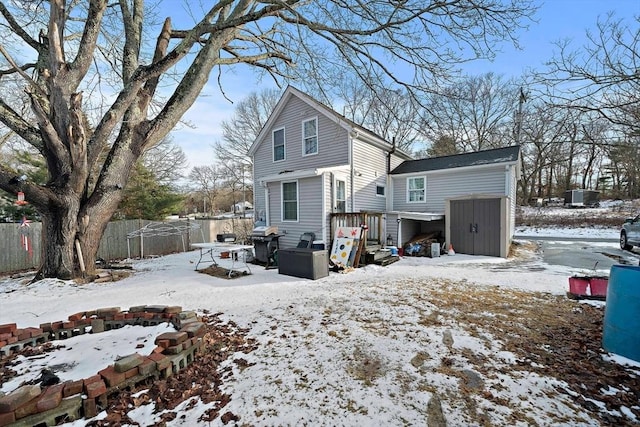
477 158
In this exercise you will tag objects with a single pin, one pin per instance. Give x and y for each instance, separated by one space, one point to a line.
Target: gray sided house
310 162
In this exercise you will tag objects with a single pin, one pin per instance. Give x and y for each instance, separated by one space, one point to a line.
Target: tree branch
56 36
20 126
20 71
87 46
18 29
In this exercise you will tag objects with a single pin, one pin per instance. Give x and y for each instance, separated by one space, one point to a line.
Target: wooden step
386 261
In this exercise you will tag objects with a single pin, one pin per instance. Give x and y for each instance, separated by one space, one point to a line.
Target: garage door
475 226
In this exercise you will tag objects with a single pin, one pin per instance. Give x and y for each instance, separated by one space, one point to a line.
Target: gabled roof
355 130
478 158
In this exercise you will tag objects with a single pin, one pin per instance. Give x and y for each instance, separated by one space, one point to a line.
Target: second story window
380 190
416 189
310 137
278 144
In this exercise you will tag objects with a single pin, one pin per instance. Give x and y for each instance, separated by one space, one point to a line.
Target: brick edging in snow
31 405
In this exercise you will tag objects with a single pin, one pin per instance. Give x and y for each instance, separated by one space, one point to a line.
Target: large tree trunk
94 219
67 229
59 226
90 239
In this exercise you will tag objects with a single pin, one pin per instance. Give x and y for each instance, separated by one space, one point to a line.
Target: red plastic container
578 285
598 286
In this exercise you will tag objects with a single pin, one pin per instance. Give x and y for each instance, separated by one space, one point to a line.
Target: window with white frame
380 190
278 144
290 201
310 137
416 189
341 196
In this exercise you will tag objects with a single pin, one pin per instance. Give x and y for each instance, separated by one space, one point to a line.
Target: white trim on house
282 209
352 171
298 174
284 145
424 189
316 136
324 208
338 177
267 216
420 216
507 179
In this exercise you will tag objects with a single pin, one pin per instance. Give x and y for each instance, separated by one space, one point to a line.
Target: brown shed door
475 226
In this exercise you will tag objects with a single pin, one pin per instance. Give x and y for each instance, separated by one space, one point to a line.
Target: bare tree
601 76
594 132
624 155
166 161
391 114
540 148
239 132
238 183
63 54
208 182
476 112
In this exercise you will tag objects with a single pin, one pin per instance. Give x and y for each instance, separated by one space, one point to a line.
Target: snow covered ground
362 348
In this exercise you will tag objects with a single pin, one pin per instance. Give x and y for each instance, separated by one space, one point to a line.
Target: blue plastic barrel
621 334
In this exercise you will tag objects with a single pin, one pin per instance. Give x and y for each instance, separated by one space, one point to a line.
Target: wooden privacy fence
114 244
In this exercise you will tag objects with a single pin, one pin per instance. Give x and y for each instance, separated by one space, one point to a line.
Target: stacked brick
31 405
12 337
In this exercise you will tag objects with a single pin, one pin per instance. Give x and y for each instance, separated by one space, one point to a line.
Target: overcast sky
556 20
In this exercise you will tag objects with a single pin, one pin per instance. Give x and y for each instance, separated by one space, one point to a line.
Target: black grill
265 248
226 237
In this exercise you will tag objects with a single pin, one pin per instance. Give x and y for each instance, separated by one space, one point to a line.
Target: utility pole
244 200
522 99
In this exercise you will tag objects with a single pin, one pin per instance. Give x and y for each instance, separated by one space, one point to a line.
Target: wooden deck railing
373 220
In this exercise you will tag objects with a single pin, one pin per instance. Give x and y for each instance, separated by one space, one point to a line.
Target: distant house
315 169
242 207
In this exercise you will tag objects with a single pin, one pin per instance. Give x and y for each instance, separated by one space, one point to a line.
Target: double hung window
310 137
278 144
290 201
416 189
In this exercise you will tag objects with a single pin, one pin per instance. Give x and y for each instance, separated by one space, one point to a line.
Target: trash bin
621 334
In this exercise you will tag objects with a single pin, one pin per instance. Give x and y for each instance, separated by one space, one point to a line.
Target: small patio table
234 250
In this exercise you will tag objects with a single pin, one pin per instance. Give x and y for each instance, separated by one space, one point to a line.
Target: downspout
332 195
393 150
325 214
267 219
352 135
388 202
